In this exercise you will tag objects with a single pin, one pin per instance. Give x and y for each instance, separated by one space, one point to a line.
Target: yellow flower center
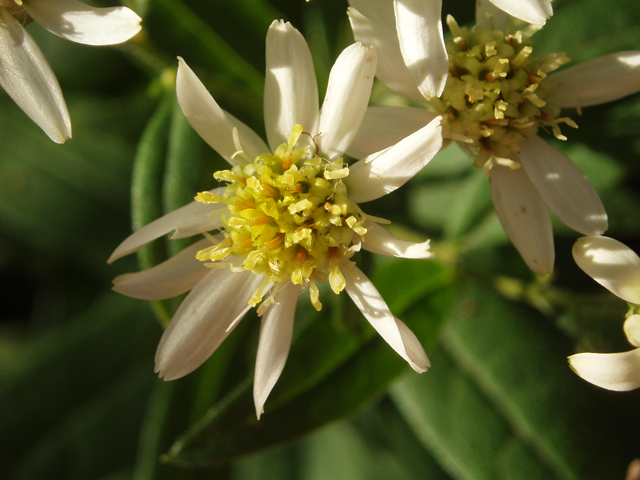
288 218
496 93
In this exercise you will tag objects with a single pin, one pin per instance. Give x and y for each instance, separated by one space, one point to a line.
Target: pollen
496 92
288 217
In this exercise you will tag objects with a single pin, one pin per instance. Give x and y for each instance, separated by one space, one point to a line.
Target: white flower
413 28
616 267
24 72
289 217
497 96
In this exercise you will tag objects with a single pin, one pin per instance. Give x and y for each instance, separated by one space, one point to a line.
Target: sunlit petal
374 308
419 28
383 172
28 79
205 318
173 277
596 81
212 123
524 216
563 186
610 263
532 11
82 23
379 240
385 126
346 99
193 218
291 90
276 331
613 371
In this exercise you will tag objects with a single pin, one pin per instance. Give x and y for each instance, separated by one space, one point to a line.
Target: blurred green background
78 395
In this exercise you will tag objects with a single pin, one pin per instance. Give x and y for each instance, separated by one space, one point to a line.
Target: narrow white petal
613 371
346 99
173 277
383 172
212 123
82 23
383 127
379 240
375 309
379 11
419 28
290 89
202 322
524 216
28 79
596 81
632 330
413 347
391 68
193 218
610 263
276 331
532 11
564 187
490 16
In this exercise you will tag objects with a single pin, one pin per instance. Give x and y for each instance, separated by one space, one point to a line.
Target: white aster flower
497 96
289 217
617 268
24 72
413 29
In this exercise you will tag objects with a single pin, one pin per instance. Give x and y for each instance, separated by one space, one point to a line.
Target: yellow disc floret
288 218
496 92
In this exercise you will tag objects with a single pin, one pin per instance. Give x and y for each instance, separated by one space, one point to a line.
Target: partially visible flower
24 72
289 217
498 96
616 267
414 29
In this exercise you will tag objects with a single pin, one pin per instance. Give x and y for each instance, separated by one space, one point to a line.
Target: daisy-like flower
617 268
289 216
498 95
414 29
24 72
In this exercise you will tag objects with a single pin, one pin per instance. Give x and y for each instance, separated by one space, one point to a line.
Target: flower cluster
289 217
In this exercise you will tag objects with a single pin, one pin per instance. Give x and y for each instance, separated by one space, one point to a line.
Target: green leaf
331 372
61 385
502 376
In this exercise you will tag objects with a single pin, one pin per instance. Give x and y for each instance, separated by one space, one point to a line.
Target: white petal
379 240
391 68
379 11
613 371
419 28
346 99
383 127
600 80
202 322
79 22
173 277
212 123
524 216
632 330
29 81
374 308
290 89
383 172
563 186
193 218
610 263
532 11
490 16
276 331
